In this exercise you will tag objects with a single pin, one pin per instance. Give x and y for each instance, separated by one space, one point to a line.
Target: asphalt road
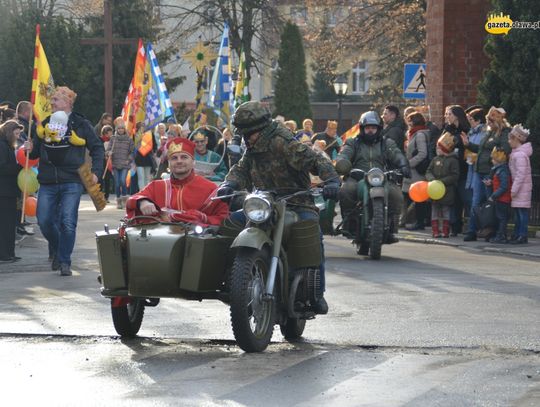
426 325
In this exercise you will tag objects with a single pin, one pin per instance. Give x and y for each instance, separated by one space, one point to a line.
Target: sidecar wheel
377 229
127 319
293 328
252 318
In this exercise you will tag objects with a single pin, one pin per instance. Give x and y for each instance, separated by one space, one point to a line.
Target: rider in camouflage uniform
274 160
366 151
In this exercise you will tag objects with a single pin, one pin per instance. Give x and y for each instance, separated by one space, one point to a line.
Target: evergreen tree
513 78
58 35
291 92
323 90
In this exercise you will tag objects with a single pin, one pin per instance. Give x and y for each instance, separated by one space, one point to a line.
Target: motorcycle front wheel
377 228
252 318
127 319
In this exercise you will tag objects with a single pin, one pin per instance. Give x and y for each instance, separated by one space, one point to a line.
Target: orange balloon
419 191
30 206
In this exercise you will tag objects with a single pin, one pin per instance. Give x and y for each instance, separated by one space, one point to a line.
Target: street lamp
340 87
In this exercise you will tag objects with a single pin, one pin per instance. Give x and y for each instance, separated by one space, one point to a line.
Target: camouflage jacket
278 162
382 154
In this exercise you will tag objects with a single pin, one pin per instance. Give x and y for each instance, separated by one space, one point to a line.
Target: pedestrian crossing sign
414 81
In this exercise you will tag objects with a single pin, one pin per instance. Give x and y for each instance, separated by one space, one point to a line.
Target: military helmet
251 117
370 118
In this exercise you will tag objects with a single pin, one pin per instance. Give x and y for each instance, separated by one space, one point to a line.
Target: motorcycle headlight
257 209
375 177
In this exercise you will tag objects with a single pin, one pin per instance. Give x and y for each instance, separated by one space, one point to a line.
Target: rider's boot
392 233
321 306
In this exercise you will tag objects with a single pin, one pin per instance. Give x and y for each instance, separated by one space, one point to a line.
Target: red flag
134 105
352 132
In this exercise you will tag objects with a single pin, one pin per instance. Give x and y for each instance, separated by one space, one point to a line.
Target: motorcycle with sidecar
266 271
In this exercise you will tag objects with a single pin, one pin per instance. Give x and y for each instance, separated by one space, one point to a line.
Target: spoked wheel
128 318
377 228
252 318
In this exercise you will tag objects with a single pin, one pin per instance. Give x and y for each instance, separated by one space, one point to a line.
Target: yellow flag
42 82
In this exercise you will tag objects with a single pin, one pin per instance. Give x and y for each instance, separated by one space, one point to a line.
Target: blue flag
221 97
158 102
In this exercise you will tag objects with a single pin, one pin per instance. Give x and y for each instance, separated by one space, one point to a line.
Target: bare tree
390 32
250 21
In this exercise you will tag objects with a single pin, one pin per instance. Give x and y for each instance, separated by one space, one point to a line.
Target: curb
416 239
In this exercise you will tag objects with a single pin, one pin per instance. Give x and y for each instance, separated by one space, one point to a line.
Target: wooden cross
108 40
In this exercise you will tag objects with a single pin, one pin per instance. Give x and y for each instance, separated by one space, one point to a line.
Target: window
273 71
299 15
360 81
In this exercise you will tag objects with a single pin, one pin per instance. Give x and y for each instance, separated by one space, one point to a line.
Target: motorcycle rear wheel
252 318
377 228
127 319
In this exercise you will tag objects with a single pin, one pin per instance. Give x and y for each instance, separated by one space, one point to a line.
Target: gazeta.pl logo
498 24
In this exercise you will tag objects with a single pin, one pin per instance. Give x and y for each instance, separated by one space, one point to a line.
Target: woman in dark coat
457 124
9 169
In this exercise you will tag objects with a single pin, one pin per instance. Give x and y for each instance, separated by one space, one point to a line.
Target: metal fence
534 212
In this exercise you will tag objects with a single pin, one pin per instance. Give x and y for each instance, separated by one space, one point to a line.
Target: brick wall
455 58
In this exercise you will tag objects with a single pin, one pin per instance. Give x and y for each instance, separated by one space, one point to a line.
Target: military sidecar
143 262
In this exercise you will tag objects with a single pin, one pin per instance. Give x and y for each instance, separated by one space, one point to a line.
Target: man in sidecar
185 197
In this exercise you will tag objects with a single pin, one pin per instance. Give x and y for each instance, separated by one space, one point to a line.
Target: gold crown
498 155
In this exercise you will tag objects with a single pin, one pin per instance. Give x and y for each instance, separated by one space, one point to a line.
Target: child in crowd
501 182
121 149
106 135
521 191
445 168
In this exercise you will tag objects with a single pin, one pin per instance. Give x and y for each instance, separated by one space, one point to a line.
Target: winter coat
490 140
520 168
121 147
59 162
382 154
460 147
419 143
445 168
501 183
9 169
475 136
148 159
396 131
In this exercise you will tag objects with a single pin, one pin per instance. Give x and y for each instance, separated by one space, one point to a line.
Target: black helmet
251 117
370 118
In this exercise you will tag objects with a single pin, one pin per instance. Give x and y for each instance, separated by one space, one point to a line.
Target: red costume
184 200
190 195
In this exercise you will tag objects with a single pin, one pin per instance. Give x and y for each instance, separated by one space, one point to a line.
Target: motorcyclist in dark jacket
366 151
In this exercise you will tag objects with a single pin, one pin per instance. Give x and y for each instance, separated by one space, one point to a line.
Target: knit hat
498 154
520 133
180 145
65 93
497 114
446 142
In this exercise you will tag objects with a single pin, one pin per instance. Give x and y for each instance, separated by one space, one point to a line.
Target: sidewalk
33 249
531 249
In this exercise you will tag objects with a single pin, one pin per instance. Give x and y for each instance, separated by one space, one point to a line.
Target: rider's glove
330 191
227 188
406 171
